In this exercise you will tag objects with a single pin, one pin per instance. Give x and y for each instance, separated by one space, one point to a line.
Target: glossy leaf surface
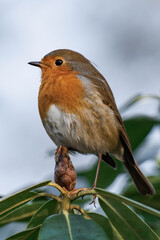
70 227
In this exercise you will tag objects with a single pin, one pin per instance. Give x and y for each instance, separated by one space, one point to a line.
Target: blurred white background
121 37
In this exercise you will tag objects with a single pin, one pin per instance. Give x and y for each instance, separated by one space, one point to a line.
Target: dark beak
37 64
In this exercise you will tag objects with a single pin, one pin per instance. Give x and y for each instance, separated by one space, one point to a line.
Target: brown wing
107 97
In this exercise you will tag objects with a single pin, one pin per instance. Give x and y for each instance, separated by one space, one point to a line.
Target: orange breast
61 88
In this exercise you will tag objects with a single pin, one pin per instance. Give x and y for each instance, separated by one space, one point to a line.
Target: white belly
62 127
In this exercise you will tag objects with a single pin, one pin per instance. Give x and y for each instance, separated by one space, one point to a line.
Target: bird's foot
94 196
93 201
77 191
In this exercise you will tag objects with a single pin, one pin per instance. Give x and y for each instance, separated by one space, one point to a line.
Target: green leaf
70 227
106 194
152 201
152 221
136 99
22 213
47 209
31 234
105 170
126 221
17 199
138 128
9 204
107 226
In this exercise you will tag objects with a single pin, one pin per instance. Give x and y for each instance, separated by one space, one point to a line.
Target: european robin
78 111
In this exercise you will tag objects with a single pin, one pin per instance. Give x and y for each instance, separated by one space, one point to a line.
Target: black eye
58 62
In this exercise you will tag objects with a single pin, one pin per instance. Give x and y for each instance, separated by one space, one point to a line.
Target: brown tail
142 183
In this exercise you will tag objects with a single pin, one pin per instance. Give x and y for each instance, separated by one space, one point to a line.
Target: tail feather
142 183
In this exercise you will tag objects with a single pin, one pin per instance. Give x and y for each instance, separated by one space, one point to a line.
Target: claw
94 201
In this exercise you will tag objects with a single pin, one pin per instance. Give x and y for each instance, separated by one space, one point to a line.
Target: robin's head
64 80
63 60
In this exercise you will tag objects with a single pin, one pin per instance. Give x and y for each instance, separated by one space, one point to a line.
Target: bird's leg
98 167
95 181
96 178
